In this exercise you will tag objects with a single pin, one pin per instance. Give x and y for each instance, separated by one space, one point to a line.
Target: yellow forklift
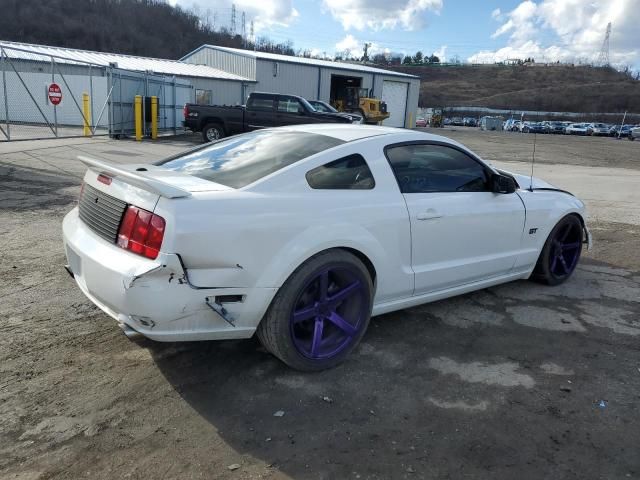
361 101
437 119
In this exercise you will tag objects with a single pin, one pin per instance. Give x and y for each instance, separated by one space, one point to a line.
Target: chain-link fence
47 96
126 84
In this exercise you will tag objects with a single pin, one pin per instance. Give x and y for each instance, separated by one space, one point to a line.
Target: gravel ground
519 380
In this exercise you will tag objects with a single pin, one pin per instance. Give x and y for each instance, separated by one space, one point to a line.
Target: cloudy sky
472 30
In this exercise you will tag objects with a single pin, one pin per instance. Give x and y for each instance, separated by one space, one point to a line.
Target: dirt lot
517 381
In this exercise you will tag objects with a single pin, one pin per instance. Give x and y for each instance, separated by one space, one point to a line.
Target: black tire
275 331
544 271
212 132
631 137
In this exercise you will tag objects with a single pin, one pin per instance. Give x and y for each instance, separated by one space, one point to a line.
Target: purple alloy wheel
329 313
565 250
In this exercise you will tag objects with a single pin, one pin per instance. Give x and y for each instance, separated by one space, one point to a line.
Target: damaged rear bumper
156 298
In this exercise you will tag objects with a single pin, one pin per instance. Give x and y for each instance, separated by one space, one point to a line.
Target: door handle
430 214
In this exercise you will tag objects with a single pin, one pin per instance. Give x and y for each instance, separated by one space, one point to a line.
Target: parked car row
461 122
568 128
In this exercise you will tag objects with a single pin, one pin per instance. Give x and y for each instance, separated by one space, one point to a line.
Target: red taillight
141 232
185 111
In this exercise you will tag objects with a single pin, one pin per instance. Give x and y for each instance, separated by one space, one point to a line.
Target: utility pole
253 39
365 57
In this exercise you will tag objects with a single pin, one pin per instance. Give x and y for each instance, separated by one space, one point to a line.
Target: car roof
349 132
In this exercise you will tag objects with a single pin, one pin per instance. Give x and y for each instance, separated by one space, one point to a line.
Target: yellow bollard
86 110
138 117
154 118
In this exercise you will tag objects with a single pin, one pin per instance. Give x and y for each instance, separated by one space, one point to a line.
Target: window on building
203 97
425 168
347 173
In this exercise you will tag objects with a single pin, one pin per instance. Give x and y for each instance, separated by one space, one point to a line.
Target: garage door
395 94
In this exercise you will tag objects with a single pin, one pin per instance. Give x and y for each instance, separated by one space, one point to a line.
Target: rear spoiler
138 179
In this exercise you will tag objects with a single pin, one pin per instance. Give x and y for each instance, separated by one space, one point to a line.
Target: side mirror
502 184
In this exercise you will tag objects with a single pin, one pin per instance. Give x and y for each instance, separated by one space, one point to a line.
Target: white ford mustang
302 233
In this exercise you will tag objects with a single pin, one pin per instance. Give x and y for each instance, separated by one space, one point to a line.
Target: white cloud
496 14
520 23
381 14
576 29
441 53
265 13
349 45
354 47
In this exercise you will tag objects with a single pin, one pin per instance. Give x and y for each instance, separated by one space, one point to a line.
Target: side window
436 168
320 107
347 173
260 103
289 105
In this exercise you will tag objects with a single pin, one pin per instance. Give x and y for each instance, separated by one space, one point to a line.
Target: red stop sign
55 94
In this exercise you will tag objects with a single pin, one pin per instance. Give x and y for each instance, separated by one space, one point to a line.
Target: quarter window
347 173
424 168
260 103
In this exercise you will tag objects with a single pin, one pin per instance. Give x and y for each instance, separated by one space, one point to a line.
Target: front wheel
320 313
212 132
561 252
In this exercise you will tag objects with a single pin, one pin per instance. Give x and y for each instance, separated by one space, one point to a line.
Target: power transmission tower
233 18
244 30
603 56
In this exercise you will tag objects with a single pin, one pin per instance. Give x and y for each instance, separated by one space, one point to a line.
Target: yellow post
138 117
154 118
86 110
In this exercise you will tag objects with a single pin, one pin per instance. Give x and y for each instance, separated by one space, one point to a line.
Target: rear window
243 159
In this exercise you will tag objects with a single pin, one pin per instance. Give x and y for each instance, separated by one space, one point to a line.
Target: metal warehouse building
312 78
111 80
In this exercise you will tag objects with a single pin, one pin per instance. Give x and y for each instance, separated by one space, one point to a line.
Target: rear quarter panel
257 236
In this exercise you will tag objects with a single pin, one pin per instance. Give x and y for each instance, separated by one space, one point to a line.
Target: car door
290 111
461 231
260 111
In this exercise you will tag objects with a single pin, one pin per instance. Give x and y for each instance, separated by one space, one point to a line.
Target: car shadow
25 188
393 409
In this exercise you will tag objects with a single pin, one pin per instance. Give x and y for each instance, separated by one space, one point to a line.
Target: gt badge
532 231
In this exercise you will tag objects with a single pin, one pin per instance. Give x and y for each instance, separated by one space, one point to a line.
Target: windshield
322 107
240 160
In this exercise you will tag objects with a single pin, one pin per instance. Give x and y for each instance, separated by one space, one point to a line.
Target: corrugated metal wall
223 92
290 78
242 65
